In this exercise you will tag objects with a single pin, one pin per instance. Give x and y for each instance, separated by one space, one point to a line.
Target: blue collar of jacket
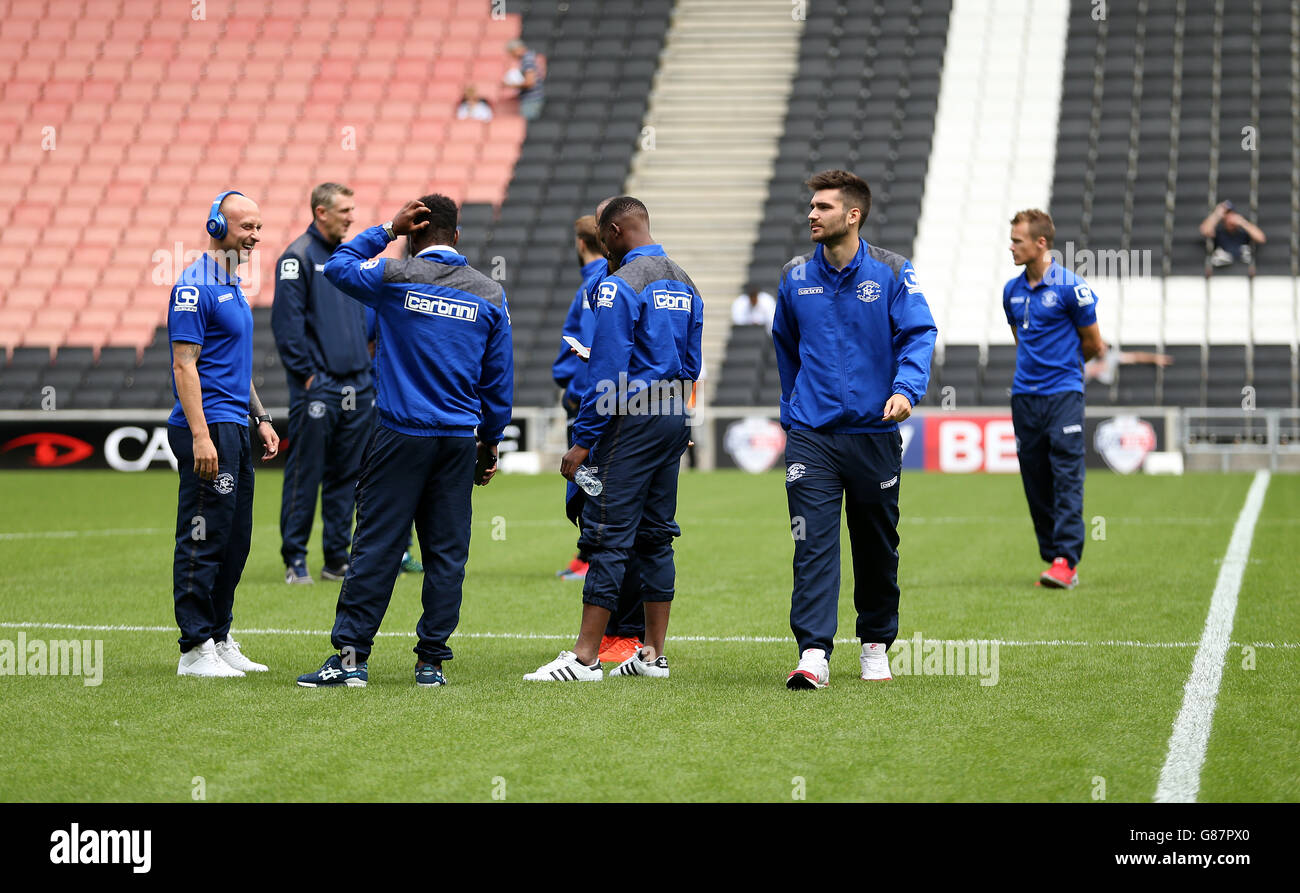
314 231
820 256
651 250
214 273
444 254
591 266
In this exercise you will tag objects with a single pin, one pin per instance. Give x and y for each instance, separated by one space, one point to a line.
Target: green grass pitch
1079 707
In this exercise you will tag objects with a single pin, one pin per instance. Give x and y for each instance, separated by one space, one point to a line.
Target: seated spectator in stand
1233 236
473 106
527 77
753 308
1102 369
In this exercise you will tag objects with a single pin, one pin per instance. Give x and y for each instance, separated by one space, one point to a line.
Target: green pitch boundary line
1010 643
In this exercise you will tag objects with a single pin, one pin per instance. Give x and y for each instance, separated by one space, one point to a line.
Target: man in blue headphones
210 327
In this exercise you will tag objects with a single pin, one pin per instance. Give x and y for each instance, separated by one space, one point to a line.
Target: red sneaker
1060 575
576 569
618 648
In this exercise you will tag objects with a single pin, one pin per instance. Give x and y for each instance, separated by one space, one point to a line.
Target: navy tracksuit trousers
214 527
637 459
430 480
328 431
628 619
863 471
1049 442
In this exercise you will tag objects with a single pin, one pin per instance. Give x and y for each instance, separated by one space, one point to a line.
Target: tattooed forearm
184 352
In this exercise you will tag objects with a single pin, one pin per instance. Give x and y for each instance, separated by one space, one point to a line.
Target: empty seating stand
864 100
117 127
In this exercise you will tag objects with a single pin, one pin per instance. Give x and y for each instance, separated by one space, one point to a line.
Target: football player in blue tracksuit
210 327
320 333
443 364
632 430
626 626
569 370
853 337
1053 315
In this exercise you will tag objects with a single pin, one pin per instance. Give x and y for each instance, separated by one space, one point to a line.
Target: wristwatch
264 418
388 228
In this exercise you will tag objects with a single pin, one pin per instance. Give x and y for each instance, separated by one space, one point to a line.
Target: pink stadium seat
40 334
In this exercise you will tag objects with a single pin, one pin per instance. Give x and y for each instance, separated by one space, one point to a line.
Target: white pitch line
1180 778
1010 643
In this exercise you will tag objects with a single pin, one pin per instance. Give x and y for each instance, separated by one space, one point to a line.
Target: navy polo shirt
208 308
1047 317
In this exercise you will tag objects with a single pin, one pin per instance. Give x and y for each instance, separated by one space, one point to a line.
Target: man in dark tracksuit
1053 315
631 431
444 364
853 337
321 335
210 327
626 626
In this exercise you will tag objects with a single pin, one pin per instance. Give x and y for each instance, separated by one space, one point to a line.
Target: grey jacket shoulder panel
650 268
888 258
421 271
798 261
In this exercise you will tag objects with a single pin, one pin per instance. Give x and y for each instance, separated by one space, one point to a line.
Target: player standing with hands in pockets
853 337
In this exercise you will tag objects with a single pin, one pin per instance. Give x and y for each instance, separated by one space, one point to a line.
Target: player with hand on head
632 430
853 336
1053 316
210 327
443 365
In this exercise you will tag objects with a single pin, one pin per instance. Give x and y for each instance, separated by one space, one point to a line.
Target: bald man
210 327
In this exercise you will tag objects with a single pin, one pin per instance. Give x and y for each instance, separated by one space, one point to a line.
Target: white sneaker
635 666
202 660
230 653
566 668
875 663
813 671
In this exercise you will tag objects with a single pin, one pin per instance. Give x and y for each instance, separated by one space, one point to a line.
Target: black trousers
328 431
863 472
214 527
403 478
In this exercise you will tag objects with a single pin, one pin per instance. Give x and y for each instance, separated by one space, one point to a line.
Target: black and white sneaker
637 666
566 668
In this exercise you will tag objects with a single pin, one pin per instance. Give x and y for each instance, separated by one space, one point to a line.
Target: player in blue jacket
570 370
1053 315
853 337
443 365
320 334
626 629
632 430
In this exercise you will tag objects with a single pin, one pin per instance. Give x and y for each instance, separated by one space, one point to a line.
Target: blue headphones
216 220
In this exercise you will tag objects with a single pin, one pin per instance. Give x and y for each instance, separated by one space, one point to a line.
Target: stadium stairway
705 158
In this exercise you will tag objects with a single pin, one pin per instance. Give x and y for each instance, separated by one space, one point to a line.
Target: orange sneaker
617 649
1060 575
576 569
